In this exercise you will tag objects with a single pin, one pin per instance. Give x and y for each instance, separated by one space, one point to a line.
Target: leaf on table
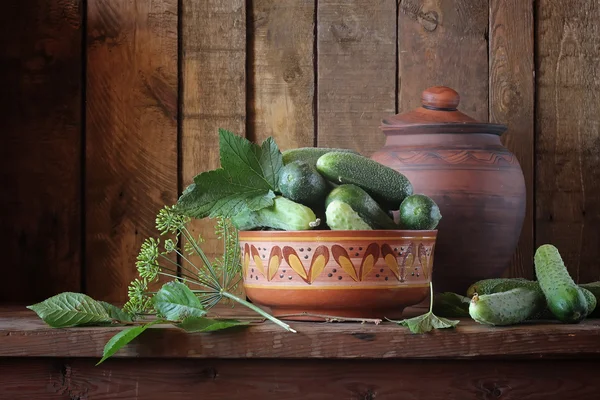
175 302
70 309
118 341
426 322
115 312
451 305
201 324
247 179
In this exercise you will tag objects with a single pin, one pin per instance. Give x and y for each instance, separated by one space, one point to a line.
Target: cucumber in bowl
419 212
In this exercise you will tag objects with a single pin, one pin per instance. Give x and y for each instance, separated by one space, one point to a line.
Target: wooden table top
23 334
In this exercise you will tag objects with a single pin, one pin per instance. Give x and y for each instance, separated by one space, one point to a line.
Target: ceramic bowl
361 274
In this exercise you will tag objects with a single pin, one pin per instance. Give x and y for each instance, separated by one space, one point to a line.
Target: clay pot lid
438 114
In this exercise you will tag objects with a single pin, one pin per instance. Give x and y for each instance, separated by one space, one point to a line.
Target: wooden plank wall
111 107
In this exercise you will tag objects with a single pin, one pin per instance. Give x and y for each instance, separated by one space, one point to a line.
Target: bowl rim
329 234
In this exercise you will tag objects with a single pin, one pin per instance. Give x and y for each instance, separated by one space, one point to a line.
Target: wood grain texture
444 43
296 379
356 88
568 133
213 90
512 87
25 335
131 133
282 72
40 154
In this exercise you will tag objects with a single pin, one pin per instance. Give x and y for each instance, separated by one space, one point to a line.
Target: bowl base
325 314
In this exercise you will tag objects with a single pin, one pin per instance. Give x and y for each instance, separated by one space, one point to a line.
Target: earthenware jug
476 181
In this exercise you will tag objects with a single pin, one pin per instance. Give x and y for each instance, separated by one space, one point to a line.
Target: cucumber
565 299
387 186
309 155
284 214
340 216
363 204
505 308
300 182
419 212
593 288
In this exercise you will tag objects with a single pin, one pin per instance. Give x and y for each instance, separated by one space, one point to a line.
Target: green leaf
122 338
200 324
175 302
115 312
450 304
71 309
247 179
426 322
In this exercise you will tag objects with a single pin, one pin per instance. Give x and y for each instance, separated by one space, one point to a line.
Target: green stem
258 310
185 279
430 296
199 251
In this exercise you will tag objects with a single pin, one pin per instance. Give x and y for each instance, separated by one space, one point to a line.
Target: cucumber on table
309 155
300 182
359 201
419 212
506 308
284 214
565 299
385 185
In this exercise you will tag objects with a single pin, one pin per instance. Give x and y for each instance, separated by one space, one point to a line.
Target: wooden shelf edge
23 334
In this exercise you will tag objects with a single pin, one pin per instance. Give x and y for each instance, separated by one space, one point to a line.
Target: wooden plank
356 87
131 127
40 176
444 43
28 336
281 73
213 90
568 133
512 103
297 379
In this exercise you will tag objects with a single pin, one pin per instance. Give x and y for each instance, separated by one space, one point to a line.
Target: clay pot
477 183
362 274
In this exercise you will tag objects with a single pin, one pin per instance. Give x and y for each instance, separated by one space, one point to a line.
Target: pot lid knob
440 98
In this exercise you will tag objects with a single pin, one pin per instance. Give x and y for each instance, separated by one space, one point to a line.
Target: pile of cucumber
509 301
339 189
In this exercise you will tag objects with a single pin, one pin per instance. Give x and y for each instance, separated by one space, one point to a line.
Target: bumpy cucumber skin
284 214
419 212
340 216
309 155
505 308
363 204
300 182
486 286
594 288
564 298
387 186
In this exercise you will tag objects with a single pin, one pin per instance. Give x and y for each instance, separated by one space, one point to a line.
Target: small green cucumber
419 212
594 288
387 186
363 204
309 155
340 216
565 299
300 182
284 214
486 286
505 308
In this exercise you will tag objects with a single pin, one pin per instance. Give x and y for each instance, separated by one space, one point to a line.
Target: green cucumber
565 299
505 308
309 155
340 216
486 286
593 288
362 204
419 212
387 186
284 214
300 182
